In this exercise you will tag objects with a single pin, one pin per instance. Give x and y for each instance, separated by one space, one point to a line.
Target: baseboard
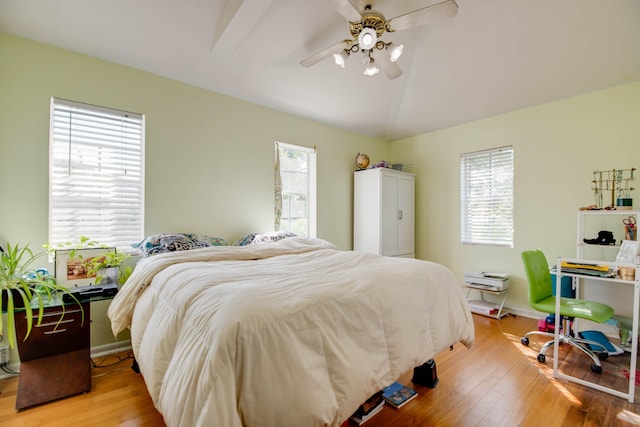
97 351
531 314
111 348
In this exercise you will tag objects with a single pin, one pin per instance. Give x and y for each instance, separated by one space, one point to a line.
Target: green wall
209 161
209 157
557 146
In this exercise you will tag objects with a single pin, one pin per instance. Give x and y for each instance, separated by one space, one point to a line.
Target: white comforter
292 333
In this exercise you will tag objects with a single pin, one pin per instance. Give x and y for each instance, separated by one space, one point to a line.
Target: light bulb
396 52
340 58
371 70
367 38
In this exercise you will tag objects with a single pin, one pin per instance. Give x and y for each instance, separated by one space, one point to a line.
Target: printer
90 293
489 281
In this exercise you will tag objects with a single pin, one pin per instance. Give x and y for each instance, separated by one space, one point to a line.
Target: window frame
311 195
492 196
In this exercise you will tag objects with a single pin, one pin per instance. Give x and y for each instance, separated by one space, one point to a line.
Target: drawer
54 335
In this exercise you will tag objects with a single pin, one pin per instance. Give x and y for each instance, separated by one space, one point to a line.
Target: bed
289 333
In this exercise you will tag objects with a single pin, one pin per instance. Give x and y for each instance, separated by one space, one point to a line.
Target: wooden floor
498 382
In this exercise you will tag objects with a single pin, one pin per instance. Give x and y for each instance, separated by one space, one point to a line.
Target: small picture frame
628 253
70 270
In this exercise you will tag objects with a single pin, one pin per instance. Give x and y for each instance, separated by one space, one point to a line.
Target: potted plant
24 288
111 263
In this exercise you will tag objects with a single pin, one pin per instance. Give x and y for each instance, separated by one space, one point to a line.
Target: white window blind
96 175
487 197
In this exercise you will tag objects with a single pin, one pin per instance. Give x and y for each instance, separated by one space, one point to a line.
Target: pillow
212 241
269 236
161 243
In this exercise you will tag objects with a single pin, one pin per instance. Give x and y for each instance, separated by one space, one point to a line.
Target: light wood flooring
498 382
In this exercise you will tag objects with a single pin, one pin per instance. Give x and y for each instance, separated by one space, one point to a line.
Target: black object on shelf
604 238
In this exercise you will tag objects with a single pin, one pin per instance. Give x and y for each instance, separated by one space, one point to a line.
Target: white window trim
121 239
312 185
478 213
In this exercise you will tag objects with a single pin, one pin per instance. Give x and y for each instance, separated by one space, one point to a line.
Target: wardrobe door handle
399 214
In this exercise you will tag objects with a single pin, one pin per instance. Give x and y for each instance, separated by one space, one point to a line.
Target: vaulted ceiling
494 56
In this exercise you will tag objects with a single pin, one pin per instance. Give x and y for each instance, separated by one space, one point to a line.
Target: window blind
96 184
487 197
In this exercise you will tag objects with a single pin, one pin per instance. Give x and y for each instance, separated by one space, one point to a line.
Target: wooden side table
55 360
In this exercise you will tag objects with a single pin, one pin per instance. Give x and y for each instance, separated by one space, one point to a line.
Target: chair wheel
542 358
603 355
596 369
525 341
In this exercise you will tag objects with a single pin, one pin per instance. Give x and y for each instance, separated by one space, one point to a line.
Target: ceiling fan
368 26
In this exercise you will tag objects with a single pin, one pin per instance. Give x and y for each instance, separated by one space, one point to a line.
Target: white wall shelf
590 222
630 394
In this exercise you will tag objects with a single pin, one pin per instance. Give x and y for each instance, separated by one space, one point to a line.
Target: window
295 209
487 197
95 174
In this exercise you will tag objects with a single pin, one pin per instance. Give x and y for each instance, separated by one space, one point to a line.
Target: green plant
24 288
112 258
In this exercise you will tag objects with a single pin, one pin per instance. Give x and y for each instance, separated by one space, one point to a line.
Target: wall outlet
4 354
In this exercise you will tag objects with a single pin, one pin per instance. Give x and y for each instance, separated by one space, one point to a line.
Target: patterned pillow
269 236
161 243
212 241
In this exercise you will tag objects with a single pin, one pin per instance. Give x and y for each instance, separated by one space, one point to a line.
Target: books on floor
368 409
398 395
361 419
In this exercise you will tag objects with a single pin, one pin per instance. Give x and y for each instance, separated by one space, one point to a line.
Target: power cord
119 359
5 368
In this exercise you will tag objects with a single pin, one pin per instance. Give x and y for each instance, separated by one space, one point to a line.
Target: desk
630 395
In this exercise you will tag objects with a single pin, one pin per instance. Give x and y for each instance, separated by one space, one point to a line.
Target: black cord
119 358
8 370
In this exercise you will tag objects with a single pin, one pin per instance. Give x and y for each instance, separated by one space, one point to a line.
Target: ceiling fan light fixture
341 58
371 69
367 28
367 38
395 51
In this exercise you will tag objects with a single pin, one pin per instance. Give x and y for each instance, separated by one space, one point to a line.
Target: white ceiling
495 56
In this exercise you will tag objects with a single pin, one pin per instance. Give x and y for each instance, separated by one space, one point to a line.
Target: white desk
634 332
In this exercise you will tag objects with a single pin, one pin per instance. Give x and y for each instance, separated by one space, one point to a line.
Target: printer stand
487 308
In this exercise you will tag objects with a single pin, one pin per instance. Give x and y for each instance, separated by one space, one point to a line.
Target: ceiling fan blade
314 59
426 15
382 60
346 9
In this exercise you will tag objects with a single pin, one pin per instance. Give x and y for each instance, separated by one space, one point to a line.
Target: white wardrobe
384 212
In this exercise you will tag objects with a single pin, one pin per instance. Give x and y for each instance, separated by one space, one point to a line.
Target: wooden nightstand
55 358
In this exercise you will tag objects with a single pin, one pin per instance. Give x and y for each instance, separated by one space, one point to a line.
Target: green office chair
542 299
